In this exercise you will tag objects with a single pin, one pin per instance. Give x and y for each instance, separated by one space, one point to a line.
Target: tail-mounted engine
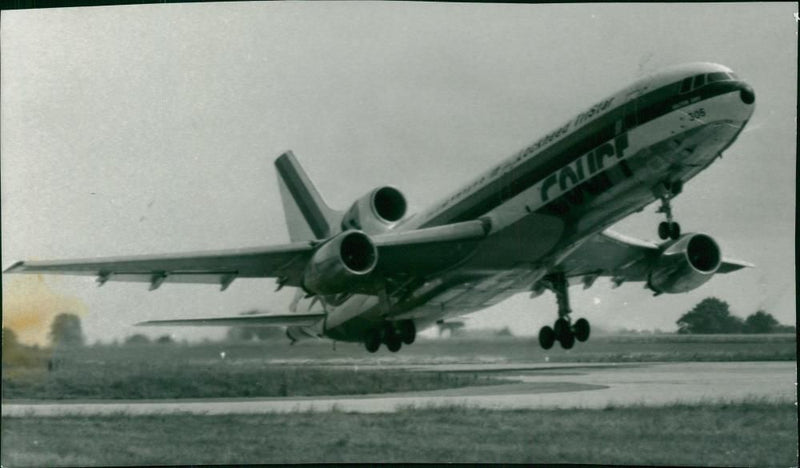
685 264
376 212
342 264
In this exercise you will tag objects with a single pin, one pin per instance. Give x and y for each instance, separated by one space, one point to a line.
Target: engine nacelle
342 264
376 212
685 265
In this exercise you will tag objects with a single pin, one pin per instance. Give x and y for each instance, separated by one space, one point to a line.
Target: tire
674 231
567 341
372 341
663 230
581 329
561 328
407 331
393 343
547 337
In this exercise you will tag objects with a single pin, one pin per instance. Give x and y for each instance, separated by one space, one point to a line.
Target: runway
535 386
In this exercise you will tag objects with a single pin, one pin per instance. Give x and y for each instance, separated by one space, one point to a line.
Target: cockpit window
699 81
686 85
718 76
733 75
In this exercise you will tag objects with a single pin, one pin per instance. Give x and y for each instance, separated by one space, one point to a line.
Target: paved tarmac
542 386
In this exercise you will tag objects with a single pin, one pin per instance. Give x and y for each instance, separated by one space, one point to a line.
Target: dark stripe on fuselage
640 111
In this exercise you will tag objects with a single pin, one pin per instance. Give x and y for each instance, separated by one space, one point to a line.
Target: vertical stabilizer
307 214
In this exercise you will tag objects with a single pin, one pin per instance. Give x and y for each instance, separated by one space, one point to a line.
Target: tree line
709 316
712 316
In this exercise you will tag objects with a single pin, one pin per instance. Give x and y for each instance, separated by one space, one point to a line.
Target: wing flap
287 320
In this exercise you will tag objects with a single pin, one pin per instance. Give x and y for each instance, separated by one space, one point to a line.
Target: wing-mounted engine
685 264
376 212
342 264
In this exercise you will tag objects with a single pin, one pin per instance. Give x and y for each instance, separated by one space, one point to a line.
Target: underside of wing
287 320
624 258
400 254
285 262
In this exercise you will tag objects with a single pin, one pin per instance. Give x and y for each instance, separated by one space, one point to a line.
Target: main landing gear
392 334
563 331
666 191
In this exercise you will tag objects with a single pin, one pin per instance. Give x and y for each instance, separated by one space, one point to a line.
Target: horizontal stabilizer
303 320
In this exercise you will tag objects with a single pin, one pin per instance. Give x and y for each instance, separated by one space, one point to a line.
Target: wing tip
15 268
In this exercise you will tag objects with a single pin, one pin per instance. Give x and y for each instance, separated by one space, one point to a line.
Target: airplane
536 221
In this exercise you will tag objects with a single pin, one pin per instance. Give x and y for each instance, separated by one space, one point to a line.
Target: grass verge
718 434
218 380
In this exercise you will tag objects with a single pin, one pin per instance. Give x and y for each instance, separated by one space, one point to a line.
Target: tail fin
307 214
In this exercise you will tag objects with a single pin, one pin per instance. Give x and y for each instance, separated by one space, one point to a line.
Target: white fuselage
570 184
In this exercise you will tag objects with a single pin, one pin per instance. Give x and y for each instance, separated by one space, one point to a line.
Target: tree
136 339
711 315
9 339
760 322
165 339
66 330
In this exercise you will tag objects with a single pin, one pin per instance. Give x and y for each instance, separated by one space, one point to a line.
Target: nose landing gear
666 191
563 331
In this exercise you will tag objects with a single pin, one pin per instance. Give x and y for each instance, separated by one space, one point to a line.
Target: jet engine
685 265
376 212
342 264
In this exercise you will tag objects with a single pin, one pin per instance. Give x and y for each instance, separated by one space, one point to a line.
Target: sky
153 128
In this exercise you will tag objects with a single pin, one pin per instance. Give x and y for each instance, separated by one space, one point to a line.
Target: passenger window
686 85
699 81
719 76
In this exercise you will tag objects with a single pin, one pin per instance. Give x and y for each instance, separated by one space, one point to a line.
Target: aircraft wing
418 252
264 320
624 258
216 267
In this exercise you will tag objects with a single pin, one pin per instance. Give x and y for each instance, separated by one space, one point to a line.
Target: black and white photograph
399 232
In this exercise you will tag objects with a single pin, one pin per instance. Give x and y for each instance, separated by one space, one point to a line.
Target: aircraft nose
747 95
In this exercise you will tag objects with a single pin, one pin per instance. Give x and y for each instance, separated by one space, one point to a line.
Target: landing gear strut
563 331
666 191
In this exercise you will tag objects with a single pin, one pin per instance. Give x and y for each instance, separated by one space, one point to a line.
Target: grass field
175 379
755 433
314 368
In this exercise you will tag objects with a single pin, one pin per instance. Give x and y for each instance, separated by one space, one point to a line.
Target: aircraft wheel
663 230
674 230
393 343
372 341
547 337
561 328
567 341
407 331
581 329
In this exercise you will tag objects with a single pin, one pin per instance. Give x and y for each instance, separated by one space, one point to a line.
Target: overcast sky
149 129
